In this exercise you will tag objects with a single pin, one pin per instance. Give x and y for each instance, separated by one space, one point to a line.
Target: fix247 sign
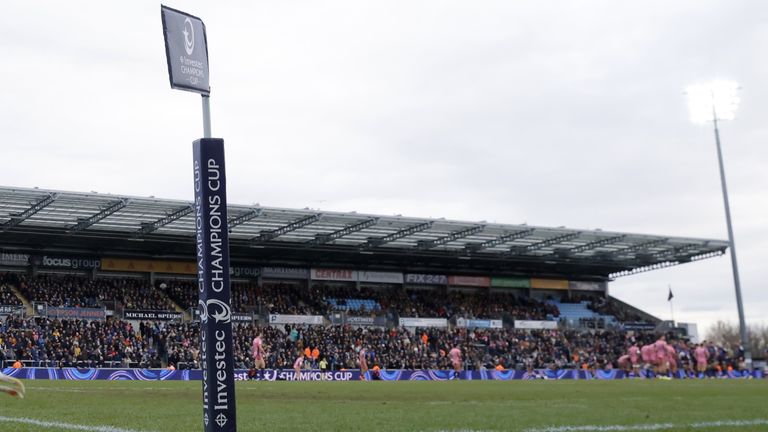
186 50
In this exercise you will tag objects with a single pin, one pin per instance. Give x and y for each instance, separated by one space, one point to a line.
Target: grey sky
552 113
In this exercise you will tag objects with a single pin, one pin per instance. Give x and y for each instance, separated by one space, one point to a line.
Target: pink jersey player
648 355
624 362
361 356
297 366
634 355
702 356
257 350
672 357
660 348
455 355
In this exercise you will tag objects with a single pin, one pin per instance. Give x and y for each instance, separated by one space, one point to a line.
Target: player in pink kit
11 386
672 358
297 365
455 355
649 357
257 351
634 357
624 363
363 362
662 358
702 357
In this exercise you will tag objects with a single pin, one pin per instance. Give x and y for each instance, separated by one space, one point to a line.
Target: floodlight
714 100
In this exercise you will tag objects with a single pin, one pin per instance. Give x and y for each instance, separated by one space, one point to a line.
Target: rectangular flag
186 50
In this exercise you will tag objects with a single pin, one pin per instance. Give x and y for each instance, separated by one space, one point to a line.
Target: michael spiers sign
214 306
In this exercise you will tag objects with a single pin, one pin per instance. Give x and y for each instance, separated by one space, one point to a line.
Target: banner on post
212 245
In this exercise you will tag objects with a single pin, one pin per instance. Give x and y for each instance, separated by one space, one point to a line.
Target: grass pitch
535 406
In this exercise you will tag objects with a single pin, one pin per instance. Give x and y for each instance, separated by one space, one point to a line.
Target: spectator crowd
116 343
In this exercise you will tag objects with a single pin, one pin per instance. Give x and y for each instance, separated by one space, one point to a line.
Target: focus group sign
186 50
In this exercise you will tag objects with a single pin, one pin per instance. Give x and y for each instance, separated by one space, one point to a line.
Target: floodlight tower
714 101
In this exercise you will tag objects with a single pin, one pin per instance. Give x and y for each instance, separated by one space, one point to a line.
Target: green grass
394 406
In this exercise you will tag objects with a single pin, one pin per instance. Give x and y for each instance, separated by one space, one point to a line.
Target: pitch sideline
65 426
652 427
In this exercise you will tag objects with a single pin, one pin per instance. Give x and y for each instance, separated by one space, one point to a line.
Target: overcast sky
552 113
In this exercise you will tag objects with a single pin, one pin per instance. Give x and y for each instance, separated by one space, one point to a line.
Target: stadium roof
92 222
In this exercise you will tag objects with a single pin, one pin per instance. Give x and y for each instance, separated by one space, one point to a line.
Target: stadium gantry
40 220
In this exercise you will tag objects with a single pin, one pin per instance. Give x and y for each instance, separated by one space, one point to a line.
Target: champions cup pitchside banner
212 246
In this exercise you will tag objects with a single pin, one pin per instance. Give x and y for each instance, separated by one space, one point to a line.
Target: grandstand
412 285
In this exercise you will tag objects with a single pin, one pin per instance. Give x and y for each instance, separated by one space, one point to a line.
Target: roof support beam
293 226
500 240
456 235
520 250
85 223
154 226
243 218
638 247
405 232
675 251
29 212
349 229
596 244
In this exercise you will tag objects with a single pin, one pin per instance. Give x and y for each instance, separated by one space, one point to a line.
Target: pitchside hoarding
157 375
212 245
186 50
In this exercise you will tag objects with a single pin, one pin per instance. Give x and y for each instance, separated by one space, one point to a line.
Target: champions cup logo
189 36
222 312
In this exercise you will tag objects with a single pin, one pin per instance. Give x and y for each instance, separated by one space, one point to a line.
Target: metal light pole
715 101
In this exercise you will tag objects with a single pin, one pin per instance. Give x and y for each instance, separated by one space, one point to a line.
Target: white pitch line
651 427
66 426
